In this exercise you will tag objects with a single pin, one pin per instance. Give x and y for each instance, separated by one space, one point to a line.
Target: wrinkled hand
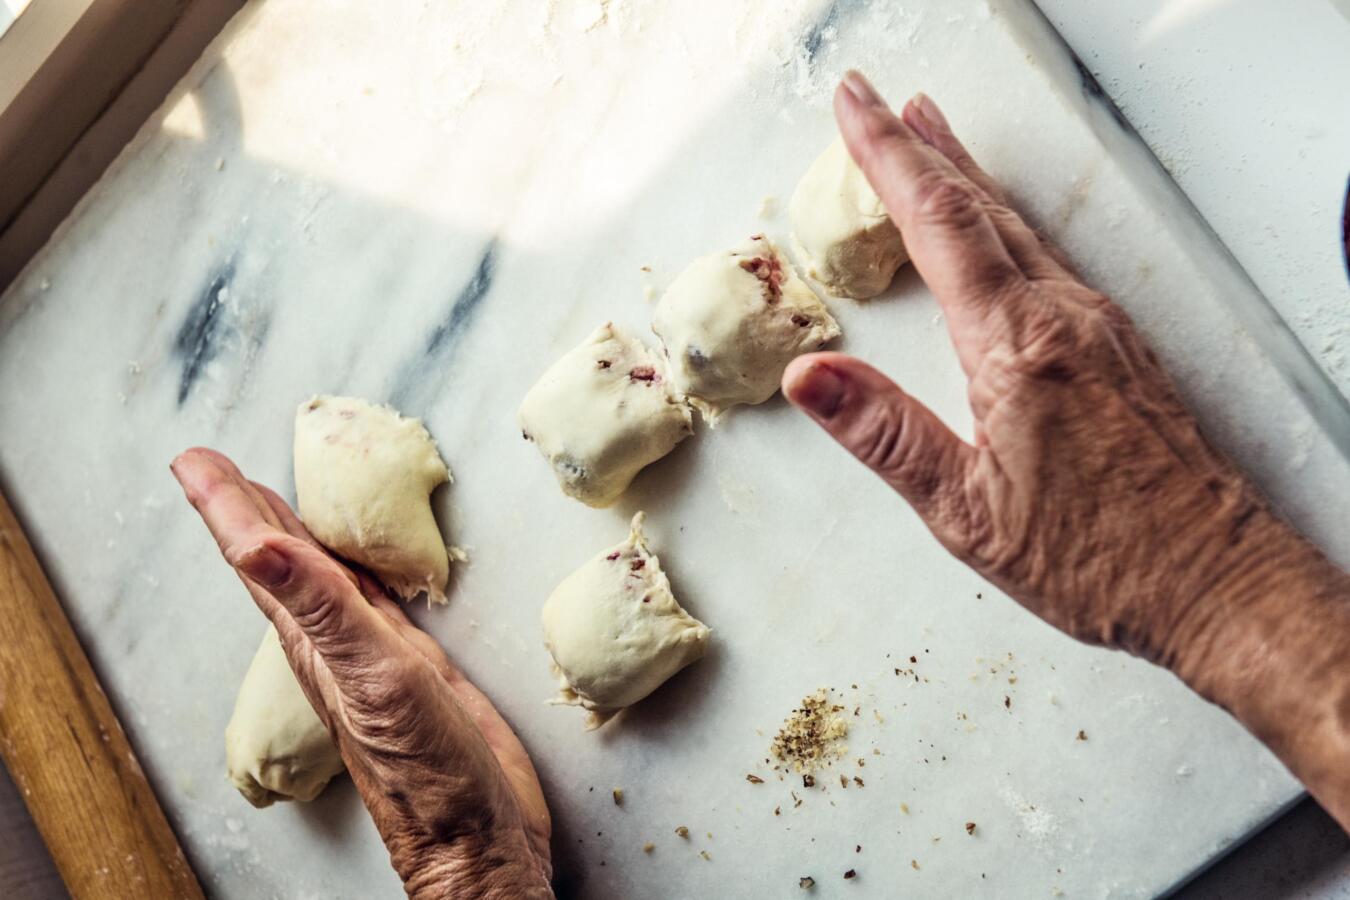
1088 493
451 789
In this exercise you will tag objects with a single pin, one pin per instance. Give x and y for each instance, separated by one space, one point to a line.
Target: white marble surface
426 205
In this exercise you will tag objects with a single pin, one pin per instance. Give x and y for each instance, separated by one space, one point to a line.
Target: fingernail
819 390
265 566
862 89
929 112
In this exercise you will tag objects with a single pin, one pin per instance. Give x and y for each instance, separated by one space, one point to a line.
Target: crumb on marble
811 735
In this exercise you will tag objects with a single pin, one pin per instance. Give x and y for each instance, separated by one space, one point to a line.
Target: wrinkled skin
1088 493
451 789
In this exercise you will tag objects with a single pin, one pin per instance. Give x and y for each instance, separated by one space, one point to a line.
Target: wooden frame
77 79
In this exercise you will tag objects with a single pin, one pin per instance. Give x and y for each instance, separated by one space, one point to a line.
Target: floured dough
363 481
732 321
601 413
276 748
615 630
842 232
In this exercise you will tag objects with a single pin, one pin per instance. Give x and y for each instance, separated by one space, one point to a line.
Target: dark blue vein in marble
812 40
198 338
409 391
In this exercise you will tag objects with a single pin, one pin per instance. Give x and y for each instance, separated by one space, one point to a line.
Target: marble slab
426 204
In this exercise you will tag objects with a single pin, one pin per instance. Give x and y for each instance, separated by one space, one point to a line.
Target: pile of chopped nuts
812 735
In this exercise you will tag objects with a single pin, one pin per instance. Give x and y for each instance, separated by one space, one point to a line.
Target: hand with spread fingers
1087 492
452 791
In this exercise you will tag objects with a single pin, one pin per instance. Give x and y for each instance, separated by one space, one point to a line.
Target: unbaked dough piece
616 632
276 748
602 413
732 321
841 231
363 481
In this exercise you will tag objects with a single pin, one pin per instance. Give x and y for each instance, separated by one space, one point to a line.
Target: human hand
452 791
1088 493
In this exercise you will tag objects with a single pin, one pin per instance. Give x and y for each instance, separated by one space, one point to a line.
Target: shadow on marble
1303 855
671 705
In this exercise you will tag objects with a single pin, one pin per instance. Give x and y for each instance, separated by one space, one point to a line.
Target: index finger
941 215
235 518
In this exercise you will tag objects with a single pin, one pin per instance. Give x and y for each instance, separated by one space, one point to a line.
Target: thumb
314 595
888 431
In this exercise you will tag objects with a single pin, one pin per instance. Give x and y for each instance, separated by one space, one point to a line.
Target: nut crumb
648 847
806 882
1082 735
904 808
754 779
682 831
812 736
704 854
618 796
970 828
914 864
851 873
